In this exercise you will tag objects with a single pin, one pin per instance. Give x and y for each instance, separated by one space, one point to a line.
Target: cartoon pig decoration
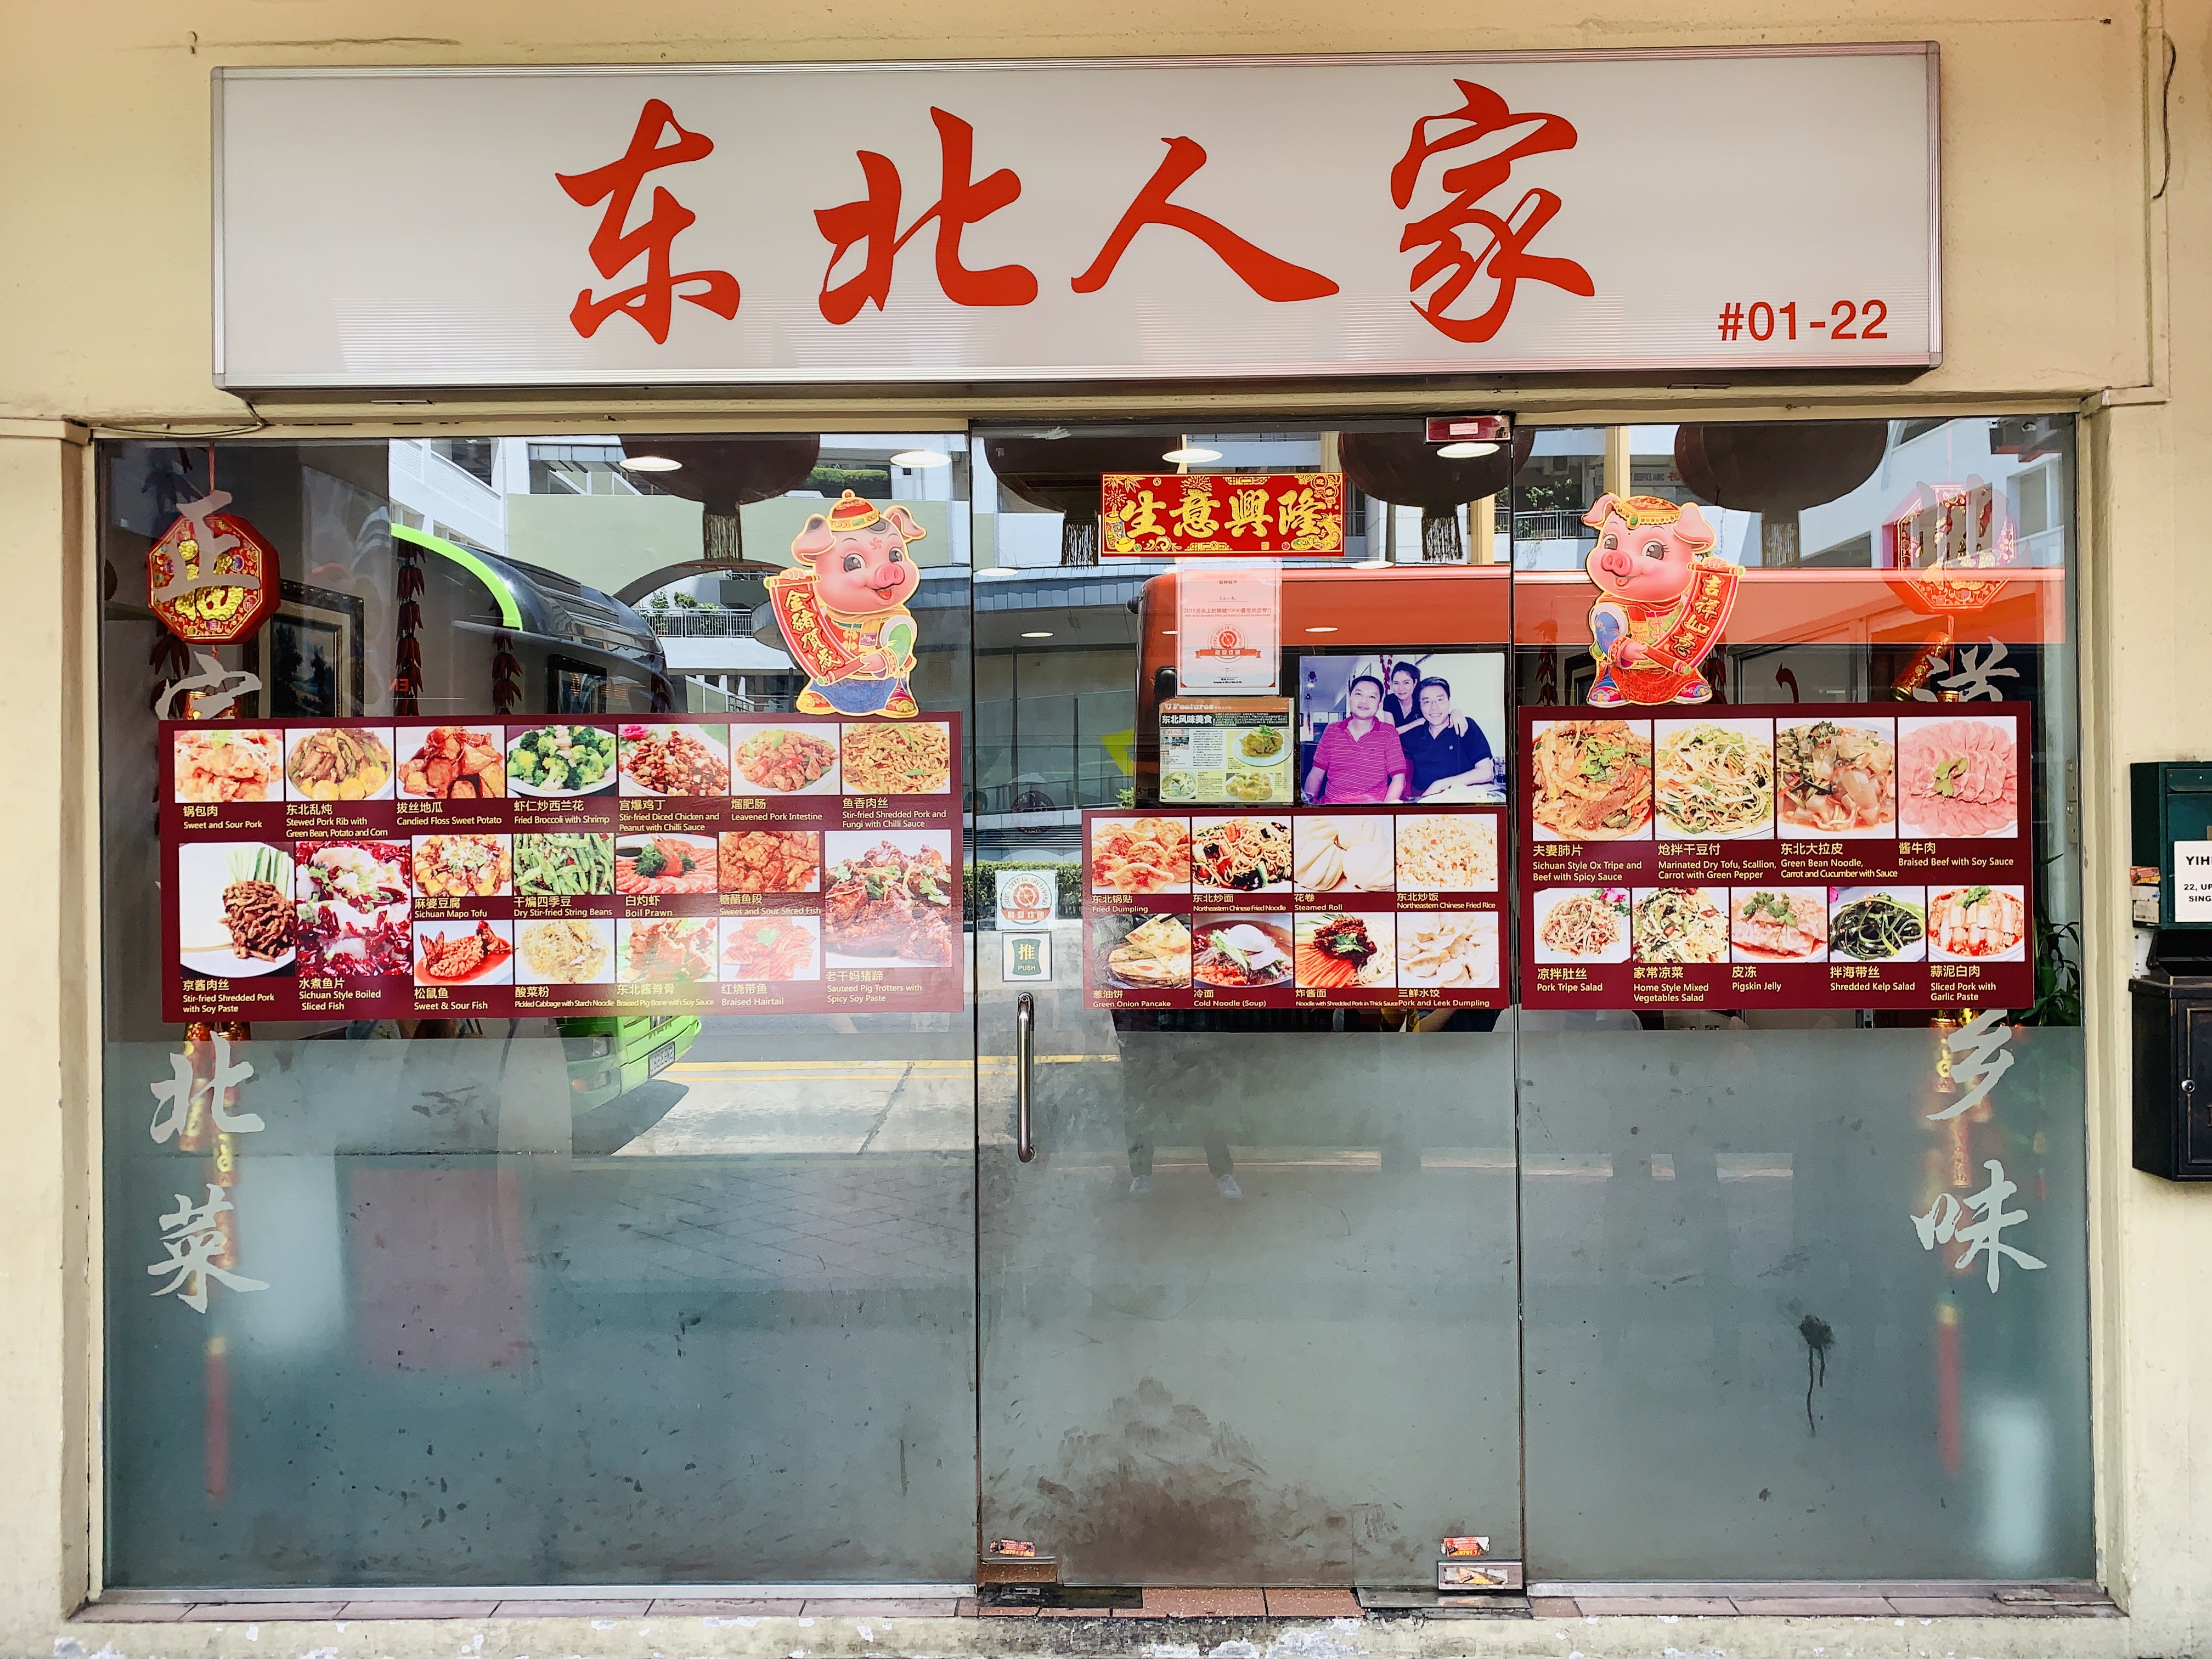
843 610
1663 600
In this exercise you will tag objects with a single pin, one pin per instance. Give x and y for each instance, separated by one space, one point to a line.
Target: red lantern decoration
211 578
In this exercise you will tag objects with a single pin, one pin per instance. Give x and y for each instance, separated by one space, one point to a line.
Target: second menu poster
690 864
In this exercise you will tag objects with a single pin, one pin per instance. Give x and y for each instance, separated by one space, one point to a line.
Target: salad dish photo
1832 778
1714 779
1877 924
1680 924
222 766
1576 924
235 909
1592 780
1241 953
889 899
561 761
479 955
338 762
675 760
353 908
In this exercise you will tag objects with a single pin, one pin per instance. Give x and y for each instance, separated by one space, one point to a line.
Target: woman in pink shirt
1358 757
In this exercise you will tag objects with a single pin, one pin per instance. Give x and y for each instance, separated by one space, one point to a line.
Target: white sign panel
1078 220
1027 898
2192 881
1229 629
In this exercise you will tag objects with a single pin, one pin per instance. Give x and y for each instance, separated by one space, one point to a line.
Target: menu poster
1294 908
1848 855
1227 751
362 869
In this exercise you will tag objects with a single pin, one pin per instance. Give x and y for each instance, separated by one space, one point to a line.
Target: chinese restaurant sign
1340 908
736 864
1847 855
1081 220
1154 516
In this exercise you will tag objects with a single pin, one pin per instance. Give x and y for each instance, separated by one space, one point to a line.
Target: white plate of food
235 918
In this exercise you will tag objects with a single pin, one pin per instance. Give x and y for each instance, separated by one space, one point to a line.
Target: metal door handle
1024 1032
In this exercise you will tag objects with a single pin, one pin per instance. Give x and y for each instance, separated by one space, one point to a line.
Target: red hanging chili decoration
505 673
407 683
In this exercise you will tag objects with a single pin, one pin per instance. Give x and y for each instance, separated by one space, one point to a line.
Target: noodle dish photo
1591 779
1240 953
1714 779
1241 855
1835 778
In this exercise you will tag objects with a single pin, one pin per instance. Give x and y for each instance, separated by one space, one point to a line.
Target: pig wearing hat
1662 600
843 610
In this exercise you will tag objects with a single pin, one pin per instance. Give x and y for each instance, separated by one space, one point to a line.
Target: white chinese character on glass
1979 1058
194 1239
1977 676
1941 1225
173 1099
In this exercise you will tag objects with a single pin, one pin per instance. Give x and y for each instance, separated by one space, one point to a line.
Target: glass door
1248 1273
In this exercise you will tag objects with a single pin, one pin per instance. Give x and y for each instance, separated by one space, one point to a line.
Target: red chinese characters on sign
1269 277
1155 515
1504 258
961 201
613 249
211 579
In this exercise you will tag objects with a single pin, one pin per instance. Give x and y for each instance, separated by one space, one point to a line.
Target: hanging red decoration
407 681
505 673
211 578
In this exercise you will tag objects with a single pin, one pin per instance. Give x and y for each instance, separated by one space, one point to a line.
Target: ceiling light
1038 633
921 458
1167 630
1320 630
649 464
1465 452
1192 455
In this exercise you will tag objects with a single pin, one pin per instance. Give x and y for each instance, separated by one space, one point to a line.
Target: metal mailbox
2172 1001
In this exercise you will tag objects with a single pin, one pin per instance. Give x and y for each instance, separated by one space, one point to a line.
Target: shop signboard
690 864
1080 220
1294 908
1849 855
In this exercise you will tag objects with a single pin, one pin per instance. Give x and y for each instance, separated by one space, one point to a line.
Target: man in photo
1358 757
1443 750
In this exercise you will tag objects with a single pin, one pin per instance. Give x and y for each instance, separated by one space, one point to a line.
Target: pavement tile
913 1607
1138 1612
989 1610
559 1609
131 1612
1811 1607
966 1609
417 1610
1949 1607
1554 1606
1648 1606
1208 1603
1074 1613
727 1608
262 1613
1312 1604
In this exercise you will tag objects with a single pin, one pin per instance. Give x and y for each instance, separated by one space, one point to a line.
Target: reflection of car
609 1057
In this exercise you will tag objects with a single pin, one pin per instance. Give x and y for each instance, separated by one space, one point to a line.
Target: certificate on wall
1229 630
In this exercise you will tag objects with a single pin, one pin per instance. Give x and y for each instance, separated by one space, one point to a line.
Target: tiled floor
1956 1602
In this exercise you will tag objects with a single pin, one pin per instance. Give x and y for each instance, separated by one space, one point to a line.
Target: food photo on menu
1877 924
771 861
563 864
1779 924
1835 779
1447 852
464 953
799 759
462 866
1241 953
1348 853
781 949
1714 778
665 951
1143 953
338 762
665 864
1449 949
565 950
1970 922
1581 924
235 918
220 767
1590 779
1958 776
1679 924
1444 712
891 899
1241 855
354 907
1340 951
560 762
675 761
1139 856
898 758
451 762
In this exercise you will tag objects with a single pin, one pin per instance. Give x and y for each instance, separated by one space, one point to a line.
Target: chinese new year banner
690 864
1847 855
1154 516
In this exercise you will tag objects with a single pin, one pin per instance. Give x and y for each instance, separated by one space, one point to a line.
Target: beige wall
2056 261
